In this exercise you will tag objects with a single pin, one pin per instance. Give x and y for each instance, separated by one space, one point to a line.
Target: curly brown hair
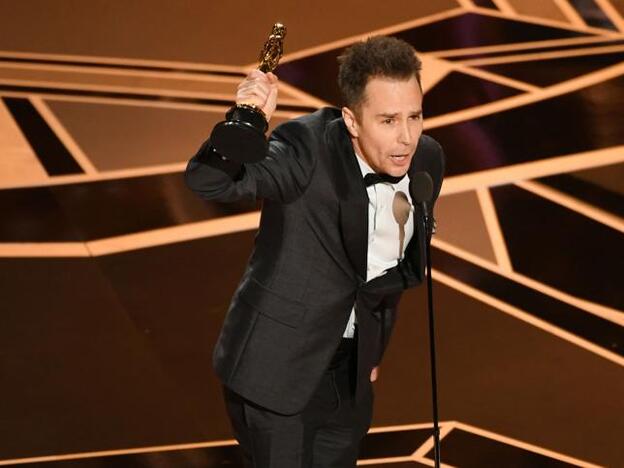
377 56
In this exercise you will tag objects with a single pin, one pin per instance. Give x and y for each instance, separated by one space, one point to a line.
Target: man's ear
350 121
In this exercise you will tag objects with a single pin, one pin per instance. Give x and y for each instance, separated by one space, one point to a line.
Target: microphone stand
432 353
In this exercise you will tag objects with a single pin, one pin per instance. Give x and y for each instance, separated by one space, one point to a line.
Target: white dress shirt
385 248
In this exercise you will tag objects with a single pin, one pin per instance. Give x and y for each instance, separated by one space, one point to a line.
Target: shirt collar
364 167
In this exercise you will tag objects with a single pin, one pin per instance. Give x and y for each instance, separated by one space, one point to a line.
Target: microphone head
422 187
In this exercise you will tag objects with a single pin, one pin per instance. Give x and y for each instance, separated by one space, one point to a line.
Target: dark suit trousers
326 434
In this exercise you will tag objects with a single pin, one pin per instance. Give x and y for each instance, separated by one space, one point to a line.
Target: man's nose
405 134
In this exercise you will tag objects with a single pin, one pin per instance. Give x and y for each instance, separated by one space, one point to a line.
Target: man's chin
397 171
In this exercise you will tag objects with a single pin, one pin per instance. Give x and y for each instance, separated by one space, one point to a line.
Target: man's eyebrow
394 114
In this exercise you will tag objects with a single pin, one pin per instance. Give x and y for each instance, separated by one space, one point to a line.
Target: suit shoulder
429 144
313 123
300 140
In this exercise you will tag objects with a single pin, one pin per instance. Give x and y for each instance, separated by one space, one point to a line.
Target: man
338 243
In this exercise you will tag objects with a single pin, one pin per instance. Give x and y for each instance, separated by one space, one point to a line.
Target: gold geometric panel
546 9
461 223
194 30
116 136
18 163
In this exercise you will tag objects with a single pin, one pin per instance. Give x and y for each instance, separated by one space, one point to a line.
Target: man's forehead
391 95
378 106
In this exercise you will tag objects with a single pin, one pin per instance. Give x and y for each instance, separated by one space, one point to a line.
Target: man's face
388 124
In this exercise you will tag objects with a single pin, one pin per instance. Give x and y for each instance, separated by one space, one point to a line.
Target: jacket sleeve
384 309
283 175
388 313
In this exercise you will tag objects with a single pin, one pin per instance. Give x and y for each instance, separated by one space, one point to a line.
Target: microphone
422 187
422 192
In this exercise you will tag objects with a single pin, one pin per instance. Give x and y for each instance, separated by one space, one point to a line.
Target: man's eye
388 121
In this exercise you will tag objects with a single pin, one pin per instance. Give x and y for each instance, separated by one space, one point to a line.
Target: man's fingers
257 76
254 94
259 89
271 101
272 77
256 73
254 84
261 93
374 374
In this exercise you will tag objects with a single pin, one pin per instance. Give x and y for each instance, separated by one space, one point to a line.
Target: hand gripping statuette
241 137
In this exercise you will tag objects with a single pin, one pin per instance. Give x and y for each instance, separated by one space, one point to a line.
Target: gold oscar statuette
241 137
273 49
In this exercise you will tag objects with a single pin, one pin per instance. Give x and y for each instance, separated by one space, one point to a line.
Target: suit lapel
352 196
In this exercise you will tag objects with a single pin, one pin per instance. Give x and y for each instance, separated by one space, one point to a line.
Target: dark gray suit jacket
309 262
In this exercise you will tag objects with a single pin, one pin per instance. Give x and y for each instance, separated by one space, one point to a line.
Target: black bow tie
374 178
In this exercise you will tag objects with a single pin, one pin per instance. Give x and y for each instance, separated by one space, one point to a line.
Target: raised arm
282 175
